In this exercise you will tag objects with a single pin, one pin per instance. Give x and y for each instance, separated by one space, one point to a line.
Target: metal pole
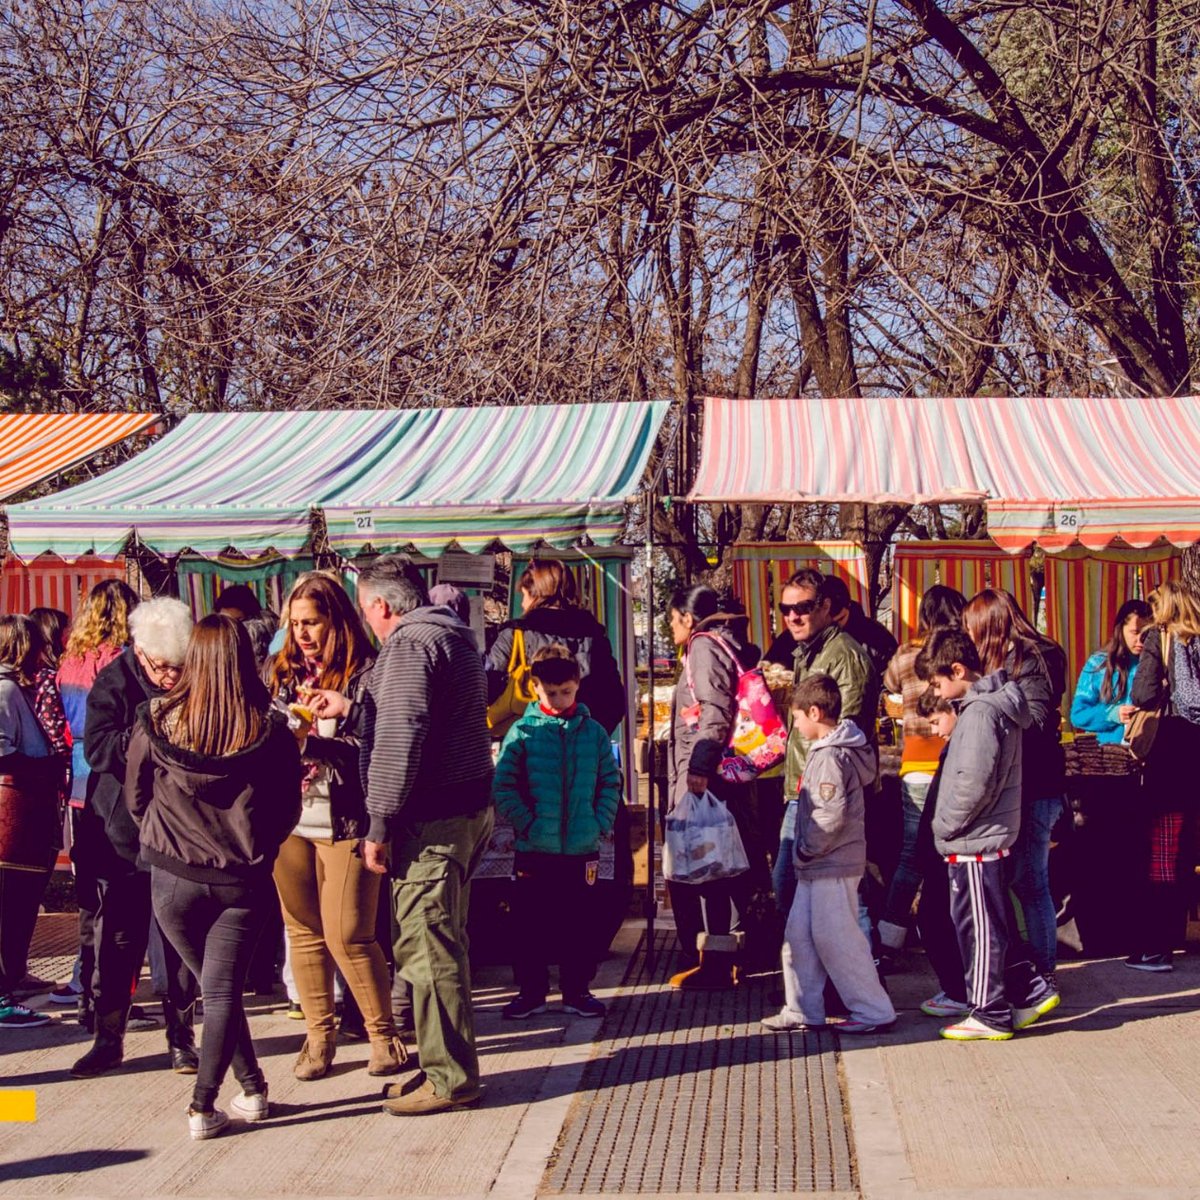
651 907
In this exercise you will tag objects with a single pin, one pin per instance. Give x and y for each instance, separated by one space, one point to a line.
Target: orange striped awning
34 446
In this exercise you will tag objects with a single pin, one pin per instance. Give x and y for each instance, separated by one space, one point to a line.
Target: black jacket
427 751
213 819
120 689
1042 678
342 752
600 688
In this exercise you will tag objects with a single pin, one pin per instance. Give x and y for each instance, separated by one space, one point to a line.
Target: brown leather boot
315 1057
388 1056
719 966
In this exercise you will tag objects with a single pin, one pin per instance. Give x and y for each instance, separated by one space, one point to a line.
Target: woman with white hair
149 667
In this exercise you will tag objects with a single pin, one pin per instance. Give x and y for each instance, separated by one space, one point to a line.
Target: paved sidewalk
670 1096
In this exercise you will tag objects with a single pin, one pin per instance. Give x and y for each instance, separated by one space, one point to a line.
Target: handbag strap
720 641
516 657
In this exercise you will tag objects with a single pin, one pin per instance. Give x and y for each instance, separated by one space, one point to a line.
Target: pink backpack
758 744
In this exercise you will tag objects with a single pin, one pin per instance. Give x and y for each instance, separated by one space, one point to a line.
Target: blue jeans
914 789
783 871
1031 880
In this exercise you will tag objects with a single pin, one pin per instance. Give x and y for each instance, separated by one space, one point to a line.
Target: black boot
181 1038
108 1050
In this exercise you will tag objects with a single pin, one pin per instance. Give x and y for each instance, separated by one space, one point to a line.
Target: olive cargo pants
432 865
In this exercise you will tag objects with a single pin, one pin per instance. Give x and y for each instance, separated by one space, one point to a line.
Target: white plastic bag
701 841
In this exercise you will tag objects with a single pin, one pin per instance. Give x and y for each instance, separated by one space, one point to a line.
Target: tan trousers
329 907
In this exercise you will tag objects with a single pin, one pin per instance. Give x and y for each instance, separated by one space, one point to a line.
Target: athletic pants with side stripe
980 908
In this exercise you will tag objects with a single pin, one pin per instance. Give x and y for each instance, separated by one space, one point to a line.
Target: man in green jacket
822 648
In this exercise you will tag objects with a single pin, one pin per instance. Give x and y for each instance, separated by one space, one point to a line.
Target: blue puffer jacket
557 782
1089 712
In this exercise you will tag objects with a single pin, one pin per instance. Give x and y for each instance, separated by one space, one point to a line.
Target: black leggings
215 927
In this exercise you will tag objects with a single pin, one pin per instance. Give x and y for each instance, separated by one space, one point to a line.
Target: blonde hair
1176 609
103 618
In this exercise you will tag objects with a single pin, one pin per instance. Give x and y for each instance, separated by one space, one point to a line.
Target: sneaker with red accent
942 1006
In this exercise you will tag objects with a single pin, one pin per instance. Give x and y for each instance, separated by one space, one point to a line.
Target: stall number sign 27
364 521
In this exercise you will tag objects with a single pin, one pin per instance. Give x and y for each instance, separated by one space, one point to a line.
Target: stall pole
651 906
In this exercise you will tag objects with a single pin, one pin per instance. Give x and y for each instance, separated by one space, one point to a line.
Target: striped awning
1056 471
385 478
34 446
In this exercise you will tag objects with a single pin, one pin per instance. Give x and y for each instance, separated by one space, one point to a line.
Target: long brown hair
219 706
103 618
549 584
997 625
21 645
347 647
1176 609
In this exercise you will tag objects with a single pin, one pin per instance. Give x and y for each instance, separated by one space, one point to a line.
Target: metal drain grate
690 1097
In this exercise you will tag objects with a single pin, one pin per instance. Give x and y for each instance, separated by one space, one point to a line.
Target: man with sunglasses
160 630
822 648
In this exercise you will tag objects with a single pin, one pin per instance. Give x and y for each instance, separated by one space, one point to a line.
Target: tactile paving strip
686 1095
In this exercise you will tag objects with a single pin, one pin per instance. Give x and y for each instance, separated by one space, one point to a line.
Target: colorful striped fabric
48 582
34 446
1058 471
760 570
1084 589
385 478
201 581
969 566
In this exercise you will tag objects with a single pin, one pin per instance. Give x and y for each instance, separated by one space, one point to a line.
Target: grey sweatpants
822 939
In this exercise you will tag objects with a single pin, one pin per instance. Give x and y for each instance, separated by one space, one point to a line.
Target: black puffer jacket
601 688
210 818
343 752
120 689
1042 678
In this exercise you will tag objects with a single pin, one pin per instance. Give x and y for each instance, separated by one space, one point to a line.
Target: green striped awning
386 478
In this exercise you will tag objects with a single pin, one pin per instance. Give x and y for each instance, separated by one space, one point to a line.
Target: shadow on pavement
73 1162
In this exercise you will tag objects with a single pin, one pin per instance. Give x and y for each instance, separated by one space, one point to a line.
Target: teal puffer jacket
557 782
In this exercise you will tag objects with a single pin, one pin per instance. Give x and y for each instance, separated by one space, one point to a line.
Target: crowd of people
982 791
212 775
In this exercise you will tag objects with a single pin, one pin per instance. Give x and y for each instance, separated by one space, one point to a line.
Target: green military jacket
834 652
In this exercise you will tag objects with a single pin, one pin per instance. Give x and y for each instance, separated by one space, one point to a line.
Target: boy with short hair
558 784
822 937
975 824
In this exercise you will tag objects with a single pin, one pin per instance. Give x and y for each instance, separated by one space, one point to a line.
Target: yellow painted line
18 1105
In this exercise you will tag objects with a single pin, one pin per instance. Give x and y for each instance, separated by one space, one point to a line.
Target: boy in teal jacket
558 784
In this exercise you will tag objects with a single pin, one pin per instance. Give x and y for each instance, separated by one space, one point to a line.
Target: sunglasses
801 610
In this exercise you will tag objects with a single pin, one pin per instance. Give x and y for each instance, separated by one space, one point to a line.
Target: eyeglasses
802 609
160 668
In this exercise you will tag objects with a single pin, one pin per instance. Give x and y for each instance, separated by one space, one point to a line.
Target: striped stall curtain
201 580
969 566
49 582
1084 590
760 570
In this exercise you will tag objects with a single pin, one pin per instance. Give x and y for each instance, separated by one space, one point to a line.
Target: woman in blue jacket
1102 696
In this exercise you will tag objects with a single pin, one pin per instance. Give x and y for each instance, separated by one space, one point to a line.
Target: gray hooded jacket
979 784
831 830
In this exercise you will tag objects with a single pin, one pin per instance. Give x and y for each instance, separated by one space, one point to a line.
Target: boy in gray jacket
822 937
975 824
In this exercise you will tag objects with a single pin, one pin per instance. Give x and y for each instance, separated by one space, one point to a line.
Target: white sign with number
1068 520
364 521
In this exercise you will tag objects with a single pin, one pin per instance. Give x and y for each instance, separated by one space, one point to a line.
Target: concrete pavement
1100 1100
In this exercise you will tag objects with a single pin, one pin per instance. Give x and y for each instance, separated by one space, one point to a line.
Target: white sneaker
972 1029
942 1006
250 1108
206 1125
785 1021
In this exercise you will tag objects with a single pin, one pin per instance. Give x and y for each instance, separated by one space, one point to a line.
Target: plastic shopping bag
702 842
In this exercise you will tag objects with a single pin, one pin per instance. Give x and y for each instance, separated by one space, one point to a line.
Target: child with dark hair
558 784
975 824
822 938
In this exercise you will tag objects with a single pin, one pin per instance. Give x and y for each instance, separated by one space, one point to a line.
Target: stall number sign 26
1068 520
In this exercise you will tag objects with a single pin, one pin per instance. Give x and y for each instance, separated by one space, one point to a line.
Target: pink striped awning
1057 471
34 446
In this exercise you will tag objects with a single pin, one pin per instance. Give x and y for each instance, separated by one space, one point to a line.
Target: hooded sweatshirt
557 782
979 784
427 750
211 818
831 834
